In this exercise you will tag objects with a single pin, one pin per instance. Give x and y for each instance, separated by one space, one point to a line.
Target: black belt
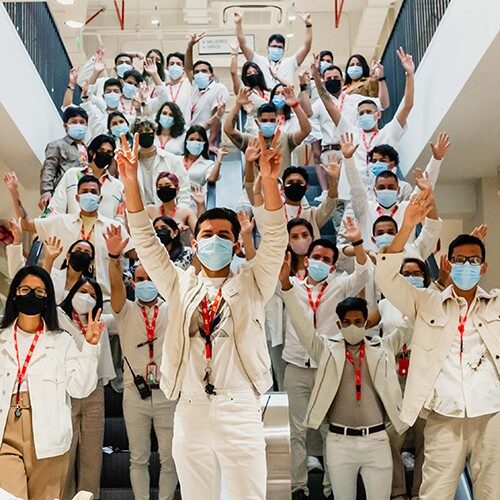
330 147
350 431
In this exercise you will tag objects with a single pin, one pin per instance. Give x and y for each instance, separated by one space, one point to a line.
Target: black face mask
333 86
146 139
30 304
165 236
295 191
166 193
253 80
102 160
80 261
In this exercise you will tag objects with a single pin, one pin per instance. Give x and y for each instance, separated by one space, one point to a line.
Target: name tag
232 292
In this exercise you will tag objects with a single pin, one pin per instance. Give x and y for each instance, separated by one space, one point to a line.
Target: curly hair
177 128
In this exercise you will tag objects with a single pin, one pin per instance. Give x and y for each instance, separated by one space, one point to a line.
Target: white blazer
57 371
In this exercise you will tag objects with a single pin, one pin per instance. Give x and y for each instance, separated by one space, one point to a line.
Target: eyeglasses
406 274
40 292
461 259
359 323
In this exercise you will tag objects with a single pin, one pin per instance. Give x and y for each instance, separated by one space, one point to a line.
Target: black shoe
299 495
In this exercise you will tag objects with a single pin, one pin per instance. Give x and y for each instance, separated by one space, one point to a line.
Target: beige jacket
329 353
436 317
246 294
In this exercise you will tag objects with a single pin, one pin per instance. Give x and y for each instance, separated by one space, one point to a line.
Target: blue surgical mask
122 68
215 253
202 80
355 72
318 270
112 99
195 147
89 202
465 276
267 128
366 121
383 240
166 121
129 90
146 291
323 66
275 53
416 281
77 131
121 128
386 197
175 71
279 101
378 167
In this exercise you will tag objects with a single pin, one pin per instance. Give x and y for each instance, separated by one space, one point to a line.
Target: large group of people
194 311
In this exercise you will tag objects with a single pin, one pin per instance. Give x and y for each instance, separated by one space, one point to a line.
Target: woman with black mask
169 233
41 369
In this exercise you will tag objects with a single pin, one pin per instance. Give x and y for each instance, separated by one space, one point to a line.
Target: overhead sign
220 44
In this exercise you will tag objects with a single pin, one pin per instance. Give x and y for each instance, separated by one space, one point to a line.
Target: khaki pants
139 414
85 454
21 473
448 443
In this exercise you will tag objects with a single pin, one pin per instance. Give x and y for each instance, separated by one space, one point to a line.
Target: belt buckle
365 431
345 431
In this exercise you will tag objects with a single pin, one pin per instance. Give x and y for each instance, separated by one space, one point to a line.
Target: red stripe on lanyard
380 210
150 328
21 371
172 212
357 369
315 304
299 212
181 83
461 330
78 321
368 145
342 101
86 237
208 317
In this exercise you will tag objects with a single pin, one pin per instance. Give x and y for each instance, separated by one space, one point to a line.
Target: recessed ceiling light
289 35
74 24
292 17
66 2
155 21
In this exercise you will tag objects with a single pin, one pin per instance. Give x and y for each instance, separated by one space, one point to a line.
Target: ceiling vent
254 15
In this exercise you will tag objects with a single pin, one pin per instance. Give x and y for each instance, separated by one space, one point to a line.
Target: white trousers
221 438
369 455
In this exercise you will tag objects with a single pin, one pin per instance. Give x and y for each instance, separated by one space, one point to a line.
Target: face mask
465 276
295 191
267 128
275 53
366 121
333 86
83 303
353 334
146 291
317 270
129 90
378 167
30 304
122 68
166 121
253 80
80 261
165 236
89 202
112 99
77 131
383 240
355 72
386 197
175 71
215 253
146 139
119 129
279 101
202 80
102 160
416 281
166 193
195 147
300 247
323 66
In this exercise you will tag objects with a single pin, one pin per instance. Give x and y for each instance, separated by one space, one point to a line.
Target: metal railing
36 28
413 30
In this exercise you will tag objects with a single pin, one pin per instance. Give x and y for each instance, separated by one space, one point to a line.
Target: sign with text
219 44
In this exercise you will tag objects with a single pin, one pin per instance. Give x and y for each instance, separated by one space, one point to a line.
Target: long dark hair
200 130
177 129
65 264
286 110
424 269
297 221
49 314
177 248
364 65
160 65
67 306
261 83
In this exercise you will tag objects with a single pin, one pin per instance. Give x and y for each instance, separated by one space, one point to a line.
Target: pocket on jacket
428 327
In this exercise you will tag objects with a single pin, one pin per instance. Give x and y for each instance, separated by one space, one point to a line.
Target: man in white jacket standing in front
215 353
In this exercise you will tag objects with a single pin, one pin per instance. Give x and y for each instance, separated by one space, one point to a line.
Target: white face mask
353 334
83 303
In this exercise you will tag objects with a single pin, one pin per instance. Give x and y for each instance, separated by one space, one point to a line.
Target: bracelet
85 97
303 87
70 87
357 243
382 79
309 25
111 256
295 104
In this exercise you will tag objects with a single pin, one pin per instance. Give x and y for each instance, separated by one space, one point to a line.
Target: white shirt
24 341
200 171
471 387
64 199
180 94
286 69
174 145
206 100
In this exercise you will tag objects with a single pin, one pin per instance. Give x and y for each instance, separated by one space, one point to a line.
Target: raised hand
351 231
243 96
406 61
16 230
332 170
235 47
150 67
143 92
11 182
193 38
198 195
73 76
114 240
252 153
94 328
347 146
53 248
290 98
127 159
422 180
221 152
99 63
304 77
444 278
419 207
376 69
480 232
314 67
238 17
270 159
285 271
247 224
85 88
306 17
440 149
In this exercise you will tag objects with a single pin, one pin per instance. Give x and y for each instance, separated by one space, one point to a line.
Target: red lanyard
315 304
369 144
86 237
150 329
174 98
164 213
380 210
357 369
21 371
186 167
208 317
342 101
78 321
163 142
299 212
300 275
461 330
131 110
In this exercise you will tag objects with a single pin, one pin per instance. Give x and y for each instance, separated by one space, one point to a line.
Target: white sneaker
408 460
313 464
